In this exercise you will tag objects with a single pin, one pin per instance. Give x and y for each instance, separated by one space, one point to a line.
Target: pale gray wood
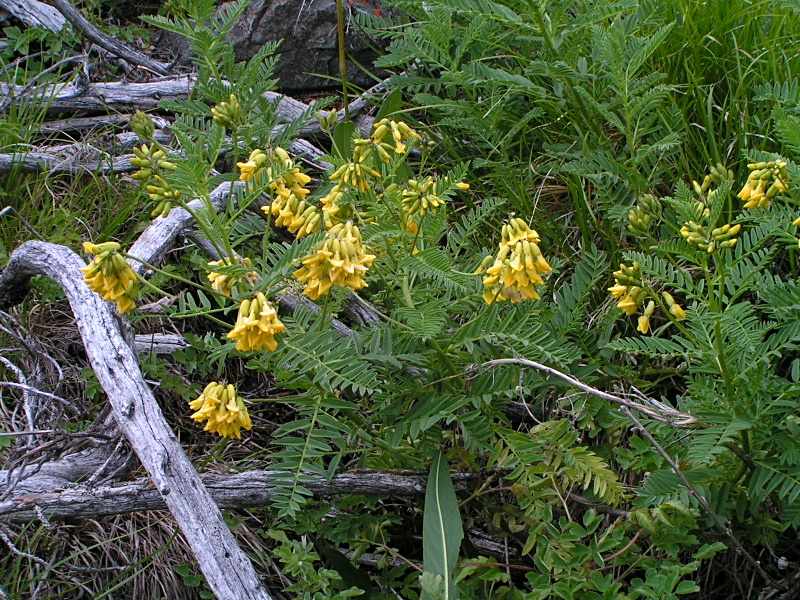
33 13
113 45
159 343
235 491
226 568
102 97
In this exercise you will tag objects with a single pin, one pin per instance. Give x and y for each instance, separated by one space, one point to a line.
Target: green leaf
442 531
392 104
709 550
342 140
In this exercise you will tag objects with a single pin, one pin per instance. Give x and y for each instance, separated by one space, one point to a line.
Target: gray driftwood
33 13
236 491
227 569
82 96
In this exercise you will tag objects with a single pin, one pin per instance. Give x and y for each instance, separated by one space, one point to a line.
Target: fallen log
113 45
80 96
249 489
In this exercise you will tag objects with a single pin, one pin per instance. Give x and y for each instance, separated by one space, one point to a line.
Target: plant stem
342 57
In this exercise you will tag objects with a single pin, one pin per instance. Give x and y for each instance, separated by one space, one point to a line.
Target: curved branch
657 411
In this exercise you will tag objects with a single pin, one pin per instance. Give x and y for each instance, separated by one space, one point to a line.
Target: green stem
172 276
726 376
235 143
342 57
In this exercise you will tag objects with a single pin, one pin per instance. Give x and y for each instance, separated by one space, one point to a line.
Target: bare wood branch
33 13
657 411
227 569
80 157
236 491
160 343
87 124
102 97
116 47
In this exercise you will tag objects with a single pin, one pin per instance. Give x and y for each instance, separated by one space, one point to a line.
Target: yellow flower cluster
765 181
354 173
153 165
340 259
518 266
110 275
628 288
223 409
420 197
224 282
287 184
256 325
721 237
674 309
399 132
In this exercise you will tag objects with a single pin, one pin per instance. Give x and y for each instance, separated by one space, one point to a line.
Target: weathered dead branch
115 46
33 13
236 491
228 571
80 96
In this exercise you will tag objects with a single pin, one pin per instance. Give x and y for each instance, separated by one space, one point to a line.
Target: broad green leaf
442 531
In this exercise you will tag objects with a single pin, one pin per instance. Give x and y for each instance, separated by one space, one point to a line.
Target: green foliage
564 114
442 533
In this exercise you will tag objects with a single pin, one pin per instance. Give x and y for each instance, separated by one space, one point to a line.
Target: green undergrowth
575 226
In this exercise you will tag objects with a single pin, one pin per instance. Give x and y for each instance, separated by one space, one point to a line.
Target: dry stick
227 569
703 502
661 413
79 22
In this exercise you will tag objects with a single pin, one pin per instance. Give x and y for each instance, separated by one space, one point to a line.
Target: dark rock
308 30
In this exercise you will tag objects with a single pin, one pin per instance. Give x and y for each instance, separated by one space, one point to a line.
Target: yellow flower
677 311
518 266
256 325
628 304
223 283
110 276
255 162
223 409
356 174
674 308
644 319
618 290
340 259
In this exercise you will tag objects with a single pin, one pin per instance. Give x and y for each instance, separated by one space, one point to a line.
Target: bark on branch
227 569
